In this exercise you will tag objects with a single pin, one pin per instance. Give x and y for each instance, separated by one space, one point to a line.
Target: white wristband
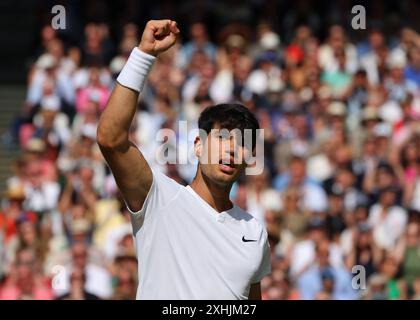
135 70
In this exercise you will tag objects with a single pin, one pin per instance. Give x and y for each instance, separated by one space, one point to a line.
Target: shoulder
161 180
374 209
398 211
240 214
90 296
63 297
162 191
249 221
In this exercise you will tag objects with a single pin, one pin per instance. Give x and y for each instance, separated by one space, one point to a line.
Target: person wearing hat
51 125
397 85
382 134
48 75
267 76
36 151
337 111
370 117
267 40
35 146
363 128
376 289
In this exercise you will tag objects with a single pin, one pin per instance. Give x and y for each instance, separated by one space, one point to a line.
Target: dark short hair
229 116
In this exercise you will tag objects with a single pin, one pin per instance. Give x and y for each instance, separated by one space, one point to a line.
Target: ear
197 147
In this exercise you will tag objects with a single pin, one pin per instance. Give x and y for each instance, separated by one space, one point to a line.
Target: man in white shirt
192 242
40 195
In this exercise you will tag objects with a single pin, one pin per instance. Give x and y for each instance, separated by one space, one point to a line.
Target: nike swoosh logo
247 240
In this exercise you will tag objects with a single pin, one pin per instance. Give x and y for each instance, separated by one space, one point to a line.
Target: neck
215 195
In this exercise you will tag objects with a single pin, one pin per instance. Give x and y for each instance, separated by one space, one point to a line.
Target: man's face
222 156
345 178
198 32
335 203
390 267
25 264
77 279
48 117
297 172
86 175
384 178
388 198
415 57
28 232
34 174
323 253
79 255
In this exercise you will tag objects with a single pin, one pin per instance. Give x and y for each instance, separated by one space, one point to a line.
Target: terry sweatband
135 70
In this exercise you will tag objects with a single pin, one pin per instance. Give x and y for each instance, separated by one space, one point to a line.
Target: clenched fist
158 36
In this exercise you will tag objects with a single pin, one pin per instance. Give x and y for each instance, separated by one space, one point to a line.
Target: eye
223 135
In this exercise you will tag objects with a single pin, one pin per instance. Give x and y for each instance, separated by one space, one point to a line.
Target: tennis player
192 242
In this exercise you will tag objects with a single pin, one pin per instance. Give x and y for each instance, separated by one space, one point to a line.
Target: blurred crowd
339 195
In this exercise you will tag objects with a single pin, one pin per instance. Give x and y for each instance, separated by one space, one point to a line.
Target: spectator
40 196
387 219
304 251
296 177
412 71
77 288
199 41
322 281
25 281
407 254
98 279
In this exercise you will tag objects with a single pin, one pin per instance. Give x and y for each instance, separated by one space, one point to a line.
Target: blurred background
340 109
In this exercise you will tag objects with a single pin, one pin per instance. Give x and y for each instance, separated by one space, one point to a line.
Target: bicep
132 173
255 291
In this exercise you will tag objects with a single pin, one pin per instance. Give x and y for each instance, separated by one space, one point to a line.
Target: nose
233 152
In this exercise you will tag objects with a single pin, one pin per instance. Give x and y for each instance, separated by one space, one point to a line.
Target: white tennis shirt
187 250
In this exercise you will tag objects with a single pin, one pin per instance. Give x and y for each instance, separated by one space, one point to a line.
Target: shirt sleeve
265 263
161 192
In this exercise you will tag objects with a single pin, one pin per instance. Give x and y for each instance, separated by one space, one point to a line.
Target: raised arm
130 169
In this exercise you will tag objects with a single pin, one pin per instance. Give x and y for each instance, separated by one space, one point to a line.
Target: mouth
227 165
